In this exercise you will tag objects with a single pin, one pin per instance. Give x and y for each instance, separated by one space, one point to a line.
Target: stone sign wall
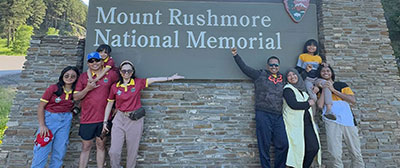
210 123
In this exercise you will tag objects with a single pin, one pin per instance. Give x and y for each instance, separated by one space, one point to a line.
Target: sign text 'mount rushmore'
194 38
177 18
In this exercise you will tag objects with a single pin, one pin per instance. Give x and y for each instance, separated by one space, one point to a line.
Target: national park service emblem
296 8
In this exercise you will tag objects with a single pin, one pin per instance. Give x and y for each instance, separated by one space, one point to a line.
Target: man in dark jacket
268 106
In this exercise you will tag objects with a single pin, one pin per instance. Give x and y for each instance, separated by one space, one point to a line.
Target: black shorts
90 131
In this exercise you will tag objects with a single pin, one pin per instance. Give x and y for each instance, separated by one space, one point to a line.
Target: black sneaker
330 116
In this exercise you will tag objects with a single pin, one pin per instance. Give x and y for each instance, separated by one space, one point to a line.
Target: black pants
311 141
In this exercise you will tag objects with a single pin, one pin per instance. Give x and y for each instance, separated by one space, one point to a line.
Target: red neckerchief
275 80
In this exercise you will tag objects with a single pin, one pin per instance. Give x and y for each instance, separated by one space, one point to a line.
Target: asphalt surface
10 77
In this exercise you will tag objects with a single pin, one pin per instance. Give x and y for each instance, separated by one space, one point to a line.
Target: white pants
334 134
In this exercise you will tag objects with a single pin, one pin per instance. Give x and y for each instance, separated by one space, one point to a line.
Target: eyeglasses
273 65
66 76
93 60
126 71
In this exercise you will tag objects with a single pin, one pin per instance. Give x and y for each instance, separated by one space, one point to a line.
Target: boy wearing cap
93 96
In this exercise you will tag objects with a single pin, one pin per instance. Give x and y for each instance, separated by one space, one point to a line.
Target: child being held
307 65
104 50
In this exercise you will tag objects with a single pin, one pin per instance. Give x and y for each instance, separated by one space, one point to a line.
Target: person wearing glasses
54 116
126 96
93 96
268 85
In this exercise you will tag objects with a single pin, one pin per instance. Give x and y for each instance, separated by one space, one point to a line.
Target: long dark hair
310 42
61 83
121 79
320 68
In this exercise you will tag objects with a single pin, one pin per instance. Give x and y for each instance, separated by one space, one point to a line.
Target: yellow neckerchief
274 75
93 73
106 60
67 93
131 83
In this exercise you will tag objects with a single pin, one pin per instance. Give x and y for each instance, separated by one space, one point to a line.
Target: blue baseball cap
94 55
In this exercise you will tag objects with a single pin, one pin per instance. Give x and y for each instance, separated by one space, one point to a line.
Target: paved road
11 62
10 70
10 78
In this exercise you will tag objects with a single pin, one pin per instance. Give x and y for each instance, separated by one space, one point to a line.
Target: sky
86 2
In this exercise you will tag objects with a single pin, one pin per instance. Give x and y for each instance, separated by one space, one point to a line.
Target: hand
315 89
308 67
92 85
329 85
176 76
234 51
44 131
105 129
311 102
324 64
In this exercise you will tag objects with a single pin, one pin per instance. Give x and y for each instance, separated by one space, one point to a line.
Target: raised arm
163 79
249 71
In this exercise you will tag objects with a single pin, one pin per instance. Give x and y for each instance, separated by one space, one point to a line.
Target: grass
4 50
6 97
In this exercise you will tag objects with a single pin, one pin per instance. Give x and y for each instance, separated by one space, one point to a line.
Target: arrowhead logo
296 8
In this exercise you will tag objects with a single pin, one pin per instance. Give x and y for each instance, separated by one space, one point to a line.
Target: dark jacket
268 90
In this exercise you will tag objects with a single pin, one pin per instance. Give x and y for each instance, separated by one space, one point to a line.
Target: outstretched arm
250 72
163 79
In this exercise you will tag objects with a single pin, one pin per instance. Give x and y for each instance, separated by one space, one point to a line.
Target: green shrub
6 97
22 39
53 31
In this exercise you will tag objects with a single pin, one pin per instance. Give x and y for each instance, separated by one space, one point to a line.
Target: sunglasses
93 60
67 76
273 65
126 71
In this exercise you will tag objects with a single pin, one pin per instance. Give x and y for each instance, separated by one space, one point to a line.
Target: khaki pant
125 129
334 134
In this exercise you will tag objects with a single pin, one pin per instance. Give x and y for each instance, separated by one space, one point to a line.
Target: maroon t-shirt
127 98
93 105
57 104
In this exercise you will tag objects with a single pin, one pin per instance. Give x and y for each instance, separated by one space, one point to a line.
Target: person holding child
93 96
307 65
104 50
126 96
344 126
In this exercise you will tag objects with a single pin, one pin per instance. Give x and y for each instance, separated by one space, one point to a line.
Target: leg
309 82
280 142
61 140
100 151
135 129
334 142
40 154
84 158
311 145
352 141
117 141
264 132
327 99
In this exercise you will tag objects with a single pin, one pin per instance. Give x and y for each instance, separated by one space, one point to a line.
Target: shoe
330 116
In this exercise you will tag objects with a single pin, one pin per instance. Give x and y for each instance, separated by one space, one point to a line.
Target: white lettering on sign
195 39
